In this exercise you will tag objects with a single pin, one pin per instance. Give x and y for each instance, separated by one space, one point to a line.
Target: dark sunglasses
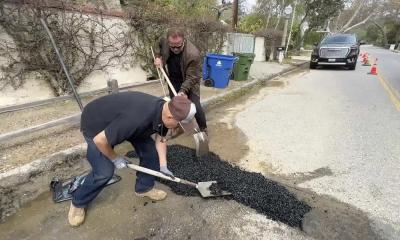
177 47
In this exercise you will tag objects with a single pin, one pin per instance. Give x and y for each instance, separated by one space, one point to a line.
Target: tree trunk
383 30
282 7
385 40
336 27
301 35
268 18
358 24
360 5
235 14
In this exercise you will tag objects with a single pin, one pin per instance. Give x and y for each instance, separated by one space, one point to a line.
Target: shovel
200 138
202 187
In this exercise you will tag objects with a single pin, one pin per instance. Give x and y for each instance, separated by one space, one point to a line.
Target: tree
359 12
319 12
86 43
252 23
381 15
149 20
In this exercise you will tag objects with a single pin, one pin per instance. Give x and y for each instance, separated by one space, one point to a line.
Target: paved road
337 133
388 67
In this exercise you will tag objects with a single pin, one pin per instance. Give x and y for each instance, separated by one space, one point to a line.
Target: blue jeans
148 157
103 170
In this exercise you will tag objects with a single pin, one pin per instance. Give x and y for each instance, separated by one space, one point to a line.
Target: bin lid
244 54
220 56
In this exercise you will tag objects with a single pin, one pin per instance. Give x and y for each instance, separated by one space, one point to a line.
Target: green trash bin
242 66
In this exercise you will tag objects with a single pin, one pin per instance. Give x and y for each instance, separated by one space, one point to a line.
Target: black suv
336 49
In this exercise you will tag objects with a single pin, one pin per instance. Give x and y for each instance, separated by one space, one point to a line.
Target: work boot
204 130
76 216
153 194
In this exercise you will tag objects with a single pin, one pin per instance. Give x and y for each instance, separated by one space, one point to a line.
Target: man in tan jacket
182 62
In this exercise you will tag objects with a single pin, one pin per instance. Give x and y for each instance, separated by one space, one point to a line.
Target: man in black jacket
134 117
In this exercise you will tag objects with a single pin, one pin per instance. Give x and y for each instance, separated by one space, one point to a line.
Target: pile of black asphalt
251 189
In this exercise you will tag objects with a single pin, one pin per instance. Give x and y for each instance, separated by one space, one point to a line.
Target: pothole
251 189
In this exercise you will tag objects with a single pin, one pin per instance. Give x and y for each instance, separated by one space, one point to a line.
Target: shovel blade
201 141
204 189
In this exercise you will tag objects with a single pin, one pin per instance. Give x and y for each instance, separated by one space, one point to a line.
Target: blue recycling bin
217 69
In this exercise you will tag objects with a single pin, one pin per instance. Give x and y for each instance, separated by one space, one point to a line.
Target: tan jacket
190 65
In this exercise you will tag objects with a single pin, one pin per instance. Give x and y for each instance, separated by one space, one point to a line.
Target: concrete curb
25 183
220 98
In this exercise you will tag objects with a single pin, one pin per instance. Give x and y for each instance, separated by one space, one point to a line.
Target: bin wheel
54 182
232 76
209 83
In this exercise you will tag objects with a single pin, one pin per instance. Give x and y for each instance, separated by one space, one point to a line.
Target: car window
339 39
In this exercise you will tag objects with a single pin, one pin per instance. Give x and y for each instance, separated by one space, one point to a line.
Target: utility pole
288 10
283 42
291 27
235 14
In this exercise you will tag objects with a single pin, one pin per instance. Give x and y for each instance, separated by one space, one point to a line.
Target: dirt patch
28 182
18 152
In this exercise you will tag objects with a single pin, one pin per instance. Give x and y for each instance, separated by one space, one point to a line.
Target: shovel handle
186 182
153 173
160 175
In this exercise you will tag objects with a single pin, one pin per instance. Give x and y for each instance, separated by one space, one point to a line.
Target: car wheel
352 67
313 66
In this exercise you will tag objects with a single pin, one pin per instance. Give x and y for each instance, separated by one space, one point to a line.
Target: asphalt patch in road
251 189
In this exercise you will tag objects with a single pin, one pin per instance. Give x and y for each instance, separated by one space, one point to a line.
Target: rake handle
158 72
169 82
165 75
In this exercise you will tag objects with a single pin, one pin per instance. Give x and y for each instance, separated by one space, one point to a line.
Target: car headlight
353 51
315 51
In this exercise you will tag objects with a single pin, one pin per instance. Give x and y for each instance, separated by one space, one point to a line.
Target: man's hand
120 162
164 170
158 62
175 132
182 94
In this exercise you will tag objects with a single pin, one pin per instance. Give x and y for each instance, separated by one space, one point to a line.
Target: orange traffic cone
374 68
366 62
365 55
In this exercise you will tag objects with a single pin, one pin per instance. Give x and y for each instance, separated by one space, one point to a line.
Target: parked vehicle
336 50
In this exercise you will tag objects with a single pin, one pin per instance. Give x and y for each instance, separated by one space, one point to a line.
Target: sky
250 4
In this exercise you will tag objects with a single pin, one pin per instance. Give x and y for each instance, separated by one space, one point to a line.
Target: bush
150 20
252 23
